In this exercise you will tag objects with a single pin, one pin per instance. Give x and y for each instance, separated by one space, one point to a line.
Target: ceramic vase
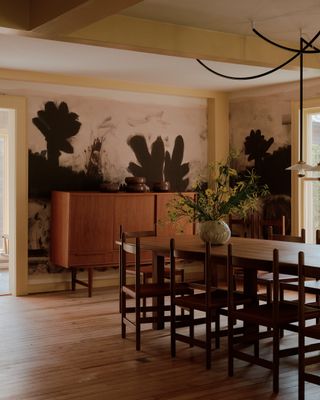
216 232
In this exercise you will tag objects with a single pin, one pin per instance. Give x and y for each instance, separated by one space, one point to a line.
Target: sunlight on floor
4 282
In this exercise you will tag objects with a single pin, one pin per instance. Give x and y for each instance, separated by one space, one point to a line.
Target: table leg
250 289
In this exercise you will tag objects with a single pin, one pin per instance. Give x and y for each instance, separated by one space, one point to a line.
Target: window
311 188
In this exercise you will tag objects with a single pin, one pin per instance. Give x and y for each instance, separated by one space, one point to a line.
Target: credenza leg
90 274
73 278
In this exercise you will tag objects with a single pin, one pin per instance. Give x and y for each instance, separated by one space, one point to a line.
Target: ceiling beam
14 16
61 17
119 31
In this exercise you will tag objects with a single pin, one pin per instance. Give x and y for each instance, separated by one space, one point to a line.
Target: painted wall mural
260 128
76 143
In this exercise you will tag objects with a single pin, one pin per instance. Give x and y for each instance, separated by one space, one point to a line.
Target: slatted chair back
278 224
243 227
129 234
287 238
189 255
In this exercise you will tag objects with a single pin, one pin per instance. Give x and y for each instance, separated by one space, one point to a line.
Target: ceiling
51 48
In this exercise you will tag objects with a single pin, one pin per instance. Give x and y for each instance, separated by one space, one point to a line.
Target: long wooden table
258 250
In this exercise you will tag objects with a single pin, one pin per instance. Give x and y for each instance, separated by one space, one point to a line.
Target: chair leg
123 314
144 300
256 348
208 339
217 330
182 280
73 278
269 293
275 369
230 345
301 366
90 281
138 325
269 297
173 329
191 327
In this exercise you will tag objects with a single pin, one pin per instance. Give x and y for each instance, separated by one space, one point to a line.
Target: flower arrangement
224 193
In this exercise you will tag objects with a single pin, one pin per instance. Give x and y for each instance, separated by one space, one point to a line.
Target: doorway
4 204
17 224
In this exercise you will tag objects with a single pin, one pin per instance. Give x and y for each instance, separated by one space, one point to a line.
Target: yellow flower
209 192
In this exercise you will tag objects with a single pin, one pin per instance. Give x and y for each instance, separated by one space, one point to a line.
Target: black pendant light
305 48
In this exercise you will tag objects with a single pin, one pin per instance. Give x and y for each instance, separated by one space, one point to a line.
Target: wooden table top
253 249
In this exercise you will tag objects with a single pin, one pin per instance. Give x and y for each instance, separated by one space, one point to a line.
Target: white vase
216 232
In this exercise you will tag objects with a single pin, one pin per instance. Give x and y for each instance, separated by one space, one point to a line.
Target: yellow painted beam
44 11
13 16
124 32
91 82
61 17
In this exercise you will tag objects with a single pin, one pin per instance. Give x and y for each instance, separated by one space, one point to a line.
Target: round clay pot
132 180
162 186
137 188
110 187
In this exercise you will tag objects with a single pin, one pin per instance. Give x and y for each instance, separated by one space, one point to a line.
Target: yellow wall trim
82 81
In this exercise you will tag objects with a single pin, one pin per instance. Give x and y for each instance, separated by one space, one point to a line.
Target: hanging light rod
306 47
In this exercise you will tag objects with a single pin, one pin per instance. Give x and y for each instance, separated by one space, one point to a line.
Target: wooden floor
66 346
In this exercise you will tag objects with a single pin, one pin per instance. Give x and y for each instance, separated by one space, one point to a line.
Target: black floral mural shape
57 125
174 170
158 165
151 163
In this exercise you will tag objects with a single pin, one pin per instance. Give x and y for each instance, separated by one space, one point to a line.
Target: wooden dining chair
204 306
266 279
312 286
137 312
275 316
306 332
278 225
243 227
146 271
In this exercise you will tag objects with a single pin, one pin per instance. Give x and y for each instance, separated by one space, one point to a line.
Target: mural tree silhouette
57 125
256 146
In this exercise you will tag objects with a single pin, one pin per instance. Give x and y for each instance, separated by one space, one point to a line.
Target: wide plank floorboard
66 346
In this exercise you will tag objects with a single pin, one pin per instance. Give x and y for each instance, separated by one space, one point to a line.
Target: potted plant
224 192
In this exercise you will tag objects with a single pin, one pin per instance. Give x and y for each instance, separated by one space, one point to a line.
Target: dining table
257 254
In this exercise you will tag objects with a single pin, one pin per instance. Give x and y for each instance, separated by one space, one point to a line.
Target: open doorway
17 217
4 203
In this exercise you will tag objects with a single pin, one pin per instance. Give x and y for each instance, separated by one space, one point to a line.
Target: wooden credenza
85 225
